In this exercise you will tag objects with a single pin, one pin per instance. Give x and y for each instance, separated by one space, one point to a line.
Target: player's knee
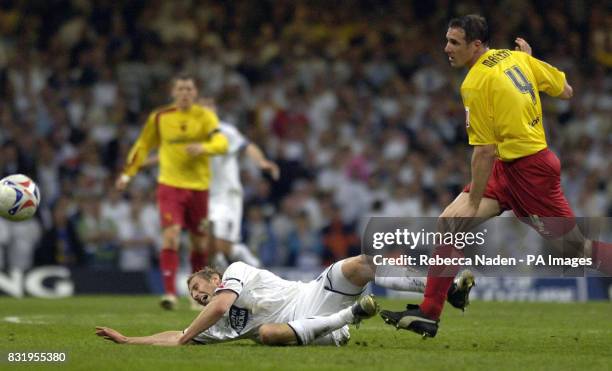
171 236
357 270
269 335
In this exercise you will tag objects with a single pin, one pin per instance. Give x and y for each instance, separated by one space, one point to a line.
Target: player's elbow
183 340
218 308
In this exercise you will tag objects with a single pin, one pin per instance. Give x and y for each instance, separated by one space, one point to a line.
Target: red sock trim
198 260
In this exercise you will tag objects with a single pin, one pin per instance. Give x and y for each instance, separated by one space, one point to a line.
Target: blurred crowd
355 101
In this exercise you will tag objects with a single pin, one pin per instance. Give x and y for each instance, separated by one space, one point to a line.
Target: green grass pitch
490 336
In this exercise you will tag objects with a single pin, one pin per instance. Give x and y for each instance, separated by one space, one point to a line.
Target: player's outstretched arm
148 140
256 154
220 303
167 338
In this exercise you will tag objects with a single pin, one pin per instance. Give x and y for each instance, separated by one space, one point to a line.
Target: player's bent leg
424 319
283 334
169 261
308 330
361 269
277 334
574 244
453 217
171 236
358 270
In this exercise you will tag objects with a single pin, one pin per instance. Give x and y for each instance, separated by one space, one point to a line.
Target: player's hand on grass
194 149
271 168
522 45
110 334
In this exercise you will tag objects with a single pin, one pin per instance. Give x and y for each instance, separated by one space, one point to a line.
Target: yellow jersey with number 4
502 102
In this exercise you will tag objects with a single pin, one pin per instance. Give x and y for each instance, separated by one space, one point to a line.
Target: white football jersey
225 168
263 297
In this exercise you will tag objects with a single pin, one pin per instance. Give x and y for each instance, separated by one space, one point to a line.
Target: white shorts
225 213
329 293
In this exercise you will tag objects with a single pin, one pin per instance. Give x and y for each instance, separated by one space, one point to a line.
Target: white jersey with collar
225 169
263 297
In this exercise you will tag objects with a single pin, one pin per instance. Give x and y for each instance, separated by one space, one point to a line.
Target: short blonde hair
206 273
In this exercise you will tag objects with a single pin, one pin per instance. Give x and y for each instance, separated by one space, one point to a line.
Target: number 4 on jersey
520 81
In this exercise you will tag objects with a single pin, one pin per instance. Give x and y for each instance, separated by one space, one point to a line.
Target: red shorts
185 207
531 187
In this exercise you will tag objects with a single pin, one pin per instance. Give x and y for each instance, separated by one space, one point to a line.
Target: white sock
399 278
309 329
337 337
240 252
411 284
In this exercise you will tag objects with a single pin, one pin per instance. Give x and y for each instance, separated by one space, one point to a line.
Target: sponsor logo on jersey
238 318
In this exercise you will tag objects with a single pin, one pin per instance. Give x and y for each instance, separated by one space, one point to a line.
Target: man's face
184 93
460 53
202 290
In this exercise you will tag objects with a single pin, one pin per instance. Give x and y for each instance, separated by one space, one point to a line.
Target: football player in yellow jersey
512 168
186 135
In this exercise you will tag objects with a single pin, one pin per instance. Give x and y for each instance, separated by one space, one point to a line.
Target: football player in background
226 193
186 135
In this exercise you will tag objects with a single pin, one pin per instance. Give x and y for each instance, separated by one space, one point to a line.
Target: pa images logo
238 318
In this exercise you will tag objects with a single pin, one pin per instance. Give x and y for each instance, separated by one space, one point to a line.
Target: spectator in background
135 246
260 236
338 238
303 244
98 234
61 244
362 87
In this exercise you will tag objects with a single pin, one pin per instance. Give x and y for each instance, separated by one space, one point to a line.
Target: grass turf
527 336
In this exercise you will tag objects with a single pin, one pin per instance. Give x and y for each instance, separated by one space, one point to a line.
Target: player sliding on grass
250 303
512 167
